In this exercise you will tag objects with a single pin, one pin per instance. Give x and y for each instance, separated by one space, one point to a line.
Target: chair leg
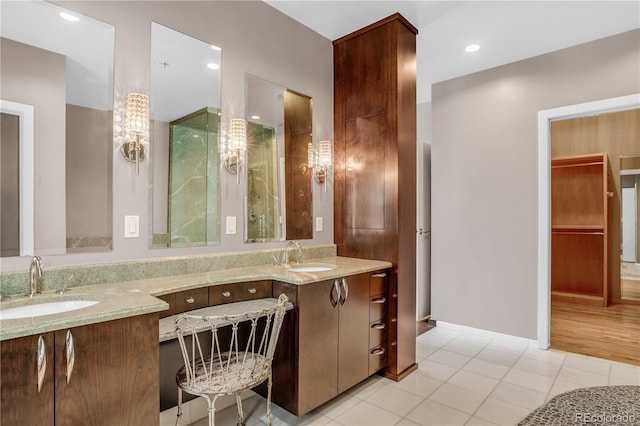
179 416
240 414
211 408
269 400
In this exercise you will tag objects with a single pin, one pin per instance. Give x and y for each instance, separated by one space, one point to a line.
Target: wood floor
611 333
630 289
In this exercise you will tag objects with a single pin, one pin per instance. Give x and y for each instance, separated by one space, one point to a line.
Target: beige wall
255 39
484 176
33 76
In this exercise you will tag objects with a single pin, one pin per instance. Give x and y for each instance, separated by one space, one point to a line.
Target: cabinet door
318 344
353 332
22 403
114 380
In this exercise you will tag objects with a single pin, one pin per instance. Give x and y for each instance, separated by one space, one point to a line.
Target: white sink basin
311 268
45 308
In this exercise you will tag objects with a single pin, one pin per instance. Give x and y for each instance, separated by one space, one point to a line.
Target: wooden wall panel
617 134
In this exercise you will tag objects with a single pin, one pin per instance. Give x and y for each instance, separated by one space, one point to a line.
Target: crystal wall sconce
136 122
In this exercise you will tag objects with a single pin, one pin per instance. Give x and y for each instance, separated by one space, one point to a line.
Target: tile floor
465 377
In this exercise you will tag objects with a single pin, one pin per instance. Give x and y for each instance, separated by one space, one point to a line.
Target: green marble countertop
131 298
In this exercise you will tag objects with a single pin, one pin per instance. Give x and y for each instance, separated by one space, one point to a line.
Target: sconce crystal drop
236 146
136 122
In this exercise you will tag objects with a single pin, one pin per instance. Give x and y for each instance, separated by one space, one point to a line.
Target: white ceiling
507 31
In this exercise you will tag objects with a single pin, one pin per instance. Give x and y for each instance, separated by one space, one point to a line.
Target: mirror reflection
265 140
62 68
630 205
185 119
278 135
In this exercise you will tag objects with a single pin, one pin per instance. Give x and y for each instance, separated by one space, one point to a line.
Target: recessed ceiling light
472 48
255 117
69 17
213 66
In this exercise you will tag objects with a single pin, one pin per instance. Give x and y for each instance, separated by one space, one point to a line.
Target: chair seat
224 376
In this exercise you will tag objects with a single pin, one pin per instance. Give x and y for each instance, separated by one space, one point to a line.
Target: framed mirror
185 123
278 203
59 64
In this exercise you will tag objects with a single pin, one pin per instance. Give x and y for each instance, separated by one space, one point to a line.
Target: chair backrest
229 352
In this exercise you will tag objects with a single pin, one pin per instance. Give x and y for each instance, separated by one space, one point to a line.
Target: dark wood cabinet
375 166
353 327
22 403
324 345
113 379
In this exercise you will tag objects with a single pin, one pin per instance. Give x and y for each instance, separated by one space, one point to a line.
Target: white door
423 244
628 213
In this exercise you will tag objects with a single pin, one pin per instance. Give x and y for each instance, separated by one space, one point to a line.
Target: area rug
604 405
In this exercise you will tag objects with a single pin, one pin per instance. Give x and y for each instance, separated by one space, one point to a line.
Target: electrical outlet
318 224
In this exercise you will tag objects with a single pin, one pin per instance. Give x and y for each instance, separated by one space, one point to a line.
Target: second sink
311 268
45 308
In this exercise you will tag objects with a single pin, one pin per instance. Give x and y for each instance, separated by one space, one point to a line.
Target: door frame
544 195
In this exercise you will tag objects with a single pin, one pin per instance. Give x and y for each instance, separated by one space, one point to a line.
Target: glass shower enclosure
193 179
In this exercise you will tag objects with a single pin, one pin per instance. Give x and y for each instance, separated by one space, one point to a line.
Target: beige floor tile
338 405
436 370
486 368
462 347
459 398
477 421
529 380
369 386
365 414
582 377
432 413
449 358
538 367
549 355
473 381
562 386
418 383
501 412
519 395
398 401
498 356
591 365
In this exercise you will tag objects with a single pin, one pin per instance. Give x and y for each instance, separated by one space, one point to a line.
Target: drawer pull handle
226 293
377 351
190 299
378 326
70 354
379 300
380 275
252 290
42 361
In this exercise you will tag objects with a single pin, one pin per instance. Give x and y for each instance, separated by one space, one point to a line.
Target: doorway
544 205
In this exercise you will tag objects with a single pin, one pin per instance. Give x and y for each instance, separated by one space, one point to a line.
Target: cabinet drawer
171 300
378 283
256 290
377 334
238 292
191 299
377 308
377 359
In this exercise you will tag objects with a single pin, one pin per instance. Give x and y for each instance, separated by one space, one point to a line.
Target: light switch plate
231 225
132 226
318 224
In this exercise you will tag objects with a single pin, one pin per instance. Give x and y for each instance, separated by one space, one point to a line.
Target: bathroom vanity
333 337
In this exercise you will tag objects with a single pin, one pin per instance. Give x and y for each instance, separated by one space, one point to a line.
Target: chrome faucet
285 254
36 268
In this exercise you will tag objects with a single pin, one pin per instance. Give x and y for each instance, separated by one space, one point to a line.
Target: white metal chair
227 367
